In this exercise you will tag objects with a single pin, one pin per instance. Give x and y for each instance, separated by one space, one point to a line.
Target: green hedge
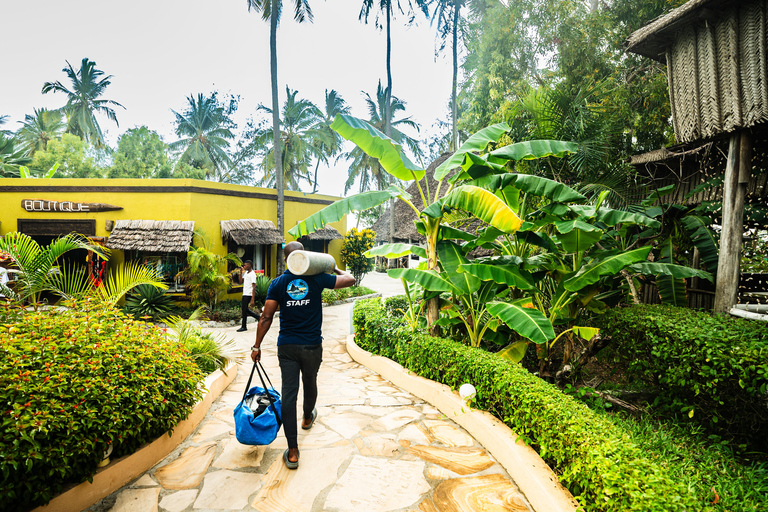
711 367
73 381
595 460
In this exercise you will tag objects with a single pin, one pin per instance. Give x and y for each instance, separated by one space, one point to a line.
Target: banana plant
459 195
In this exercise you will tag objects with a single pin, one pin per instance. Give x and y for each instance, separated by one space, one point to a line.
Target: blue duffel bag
257 417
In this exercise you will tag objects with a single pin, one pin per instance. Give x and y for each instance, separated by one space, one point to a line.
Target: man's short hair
248 262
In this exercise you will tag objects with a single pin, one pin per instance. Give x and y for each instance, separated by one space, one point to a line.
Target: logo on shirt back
297 289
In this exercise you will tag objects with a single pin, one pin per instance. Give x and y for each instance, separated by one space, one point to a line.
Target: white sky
161 51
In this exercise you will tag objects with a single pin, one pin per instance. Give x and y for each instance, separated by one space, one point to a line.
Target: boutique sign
45 206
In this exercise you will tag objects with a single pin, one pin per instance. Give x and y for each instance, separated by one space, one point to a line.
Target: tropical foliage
210 351
204 128
84 101
39 269
40 128
302 139
204 276
365 168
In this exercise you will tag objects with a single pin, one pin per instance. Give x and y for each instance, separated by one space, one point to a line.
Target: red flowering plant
74 381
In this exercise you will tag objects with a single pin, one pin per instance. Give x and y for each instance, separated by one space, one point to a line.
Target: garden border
122 471
531 474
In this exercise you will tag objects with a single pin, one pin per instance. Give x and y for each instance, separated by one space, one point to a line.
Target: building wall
205 203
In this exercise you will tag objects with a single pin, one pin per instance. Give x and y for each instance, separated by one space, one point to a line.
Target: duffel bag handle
260 368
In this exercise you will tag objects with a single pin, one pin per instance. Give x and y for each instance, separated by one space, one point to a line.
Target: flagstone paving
373 448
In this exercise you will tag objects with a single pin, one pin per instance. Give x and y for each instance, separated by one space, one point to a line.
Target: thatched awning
151 235
327 233
652 40
251 232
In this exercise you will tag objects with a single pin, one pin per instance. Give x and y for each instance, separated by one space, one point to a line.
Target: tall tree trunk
454 109
314 189
388 118
276 132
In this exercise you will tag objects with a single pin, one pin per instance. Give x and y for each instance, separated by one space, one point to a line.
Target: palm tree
301 140
206 135
559 113
334 104
366 167
38 129
83 101
271 10
448 16
10 156
386 7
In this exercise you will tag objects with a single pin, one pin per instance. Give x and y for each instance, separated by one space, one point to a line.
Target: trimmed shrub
712 368
72 382
596 460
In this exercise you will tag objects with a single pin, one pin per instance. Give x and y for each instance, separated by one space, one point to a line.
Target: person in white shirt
3 279
247 278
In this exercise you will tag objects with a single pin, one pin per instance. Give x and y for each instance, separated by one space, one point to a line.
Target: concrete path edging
531 474
121 471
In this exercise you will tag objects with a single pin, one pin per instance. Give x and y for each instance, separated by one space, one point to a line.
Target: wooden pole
737 172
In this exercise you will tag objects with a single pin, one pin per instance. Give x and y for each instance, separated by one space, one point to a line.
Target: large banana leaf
391 251
703 239
611 217
451 233
658 194
538 239
476 142
672 291
509 275
577 236
530 184
608 265
374 143
427 279
533 149
514 352
669 270
342 207
451 256
527 322
475 167
479 202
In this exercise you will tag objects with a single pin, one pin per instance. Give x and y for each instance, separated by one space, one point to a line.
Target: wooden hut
318 240
715 51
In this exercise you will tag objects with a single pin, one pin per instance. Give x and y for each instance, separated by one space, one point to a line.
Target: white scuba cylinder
307 263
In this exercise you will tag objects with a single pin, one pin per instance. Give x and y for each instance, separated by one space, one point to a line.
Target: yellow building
153 220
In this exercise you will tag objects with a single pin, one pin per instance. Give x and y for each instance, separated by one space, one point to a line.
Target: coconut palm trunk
454 109
276 130
388 118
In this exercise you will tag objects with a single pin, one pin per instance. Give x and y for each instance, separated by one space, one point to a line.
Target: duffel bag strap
248 386
259 370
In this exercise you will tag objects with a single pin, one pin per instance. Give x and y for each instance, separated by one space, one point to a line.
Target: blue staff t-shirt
301 307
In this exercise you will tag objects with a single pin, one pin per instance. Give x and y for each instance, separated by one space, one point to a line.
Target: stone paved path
373 448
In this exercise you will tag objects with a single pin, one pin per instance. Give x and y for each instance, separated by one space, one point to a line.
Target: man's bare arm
343 279
265 322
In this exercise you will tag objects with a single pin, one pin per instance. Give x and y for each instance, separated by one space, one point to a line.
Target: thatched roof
327 233
405 229
251 232
151 235
652 40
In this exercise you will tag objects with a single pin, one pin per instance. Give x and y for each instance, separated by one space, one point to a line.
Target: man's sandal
314 417
289 464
